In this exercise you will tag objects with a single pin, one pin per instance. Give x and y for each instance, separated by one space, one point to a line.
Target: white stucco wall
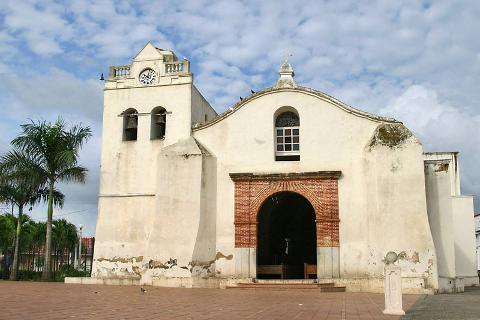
465 255
381 191
451 222
201 110
128 174
166 207
440 215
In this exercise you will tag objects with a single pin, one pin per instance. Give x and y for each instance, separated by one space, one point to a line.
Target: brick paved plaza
33 300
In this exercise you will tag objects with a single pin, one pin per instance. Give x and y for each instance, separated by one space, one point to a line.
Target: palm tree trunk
46 274
13 275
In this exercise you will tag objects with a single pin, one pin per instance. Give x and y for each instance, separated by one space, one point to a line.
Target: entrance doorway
286 235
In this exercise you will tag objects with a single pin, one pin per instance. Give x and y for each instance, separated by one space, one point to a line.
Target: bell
160 120
131 122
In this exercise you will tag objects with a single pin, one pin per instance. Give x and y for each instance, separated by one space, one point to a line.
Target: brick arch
283 186
319 188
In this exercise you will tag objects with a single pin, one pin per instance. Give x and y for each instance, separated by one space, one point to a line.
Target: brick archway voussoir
319 188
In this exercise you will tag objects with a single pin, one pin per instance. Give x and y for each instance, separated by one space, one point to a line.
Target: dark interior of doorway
286 235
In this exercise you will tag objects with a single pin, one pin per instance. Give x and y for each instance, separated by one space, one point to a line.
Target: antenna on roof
287 55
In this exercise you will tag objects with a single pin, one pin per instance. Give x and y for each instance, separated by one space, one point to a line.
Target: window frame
293 142
287 142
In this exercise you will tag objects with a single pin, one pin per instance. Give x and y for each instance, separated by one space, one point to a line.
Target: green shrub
69 271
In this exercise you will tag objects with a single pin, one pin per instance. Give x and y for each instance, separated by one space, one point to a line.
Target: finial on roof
286 75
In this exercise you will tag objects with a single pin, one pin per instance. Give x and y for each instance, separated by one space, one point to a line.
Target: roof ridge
311 91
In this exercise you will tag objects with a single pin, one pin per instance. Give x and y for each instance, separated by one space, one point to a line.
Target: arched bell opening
130 124
158 123
286 237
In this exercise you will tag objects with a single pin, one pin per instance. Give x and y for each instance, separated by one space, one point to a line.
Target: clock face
147 76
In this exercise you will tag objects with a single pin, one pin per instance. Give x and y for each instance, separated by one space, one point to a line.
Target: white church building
288 183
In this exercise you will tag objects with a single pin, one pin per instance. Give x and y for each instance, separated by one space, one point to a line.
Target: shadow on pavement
455 306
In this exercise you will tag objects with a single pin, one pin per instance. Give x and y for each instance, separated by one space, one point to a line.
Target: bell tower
156 79
149 105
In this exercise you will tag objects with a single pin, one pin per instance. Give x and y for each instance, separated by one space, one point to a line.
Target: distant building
289 182
86 260
477 238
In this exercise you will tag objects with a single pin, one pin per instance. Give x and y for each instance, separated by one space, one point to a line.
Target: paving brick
41 301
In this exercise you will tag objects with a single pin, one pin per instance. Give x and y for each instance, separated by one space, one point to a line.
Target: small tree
50 151
7 232
21 187
65 237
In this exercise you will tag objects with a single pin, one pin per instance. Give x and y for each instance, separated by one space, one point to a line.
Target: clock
147 76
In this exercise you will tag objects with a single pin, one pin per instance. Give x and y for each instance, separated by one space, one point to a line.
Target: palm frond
78 135
58 197
17 162
74 174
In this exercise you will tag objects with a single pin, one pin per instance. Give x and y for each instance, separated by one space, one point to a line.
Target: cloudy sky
418 61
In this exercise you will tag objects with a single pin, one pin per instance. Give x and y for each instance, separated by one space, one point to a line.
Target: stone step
323 287
285 283
333 289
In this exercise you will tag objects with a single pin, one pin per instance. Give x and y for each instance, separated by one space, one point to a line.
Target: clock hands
147 76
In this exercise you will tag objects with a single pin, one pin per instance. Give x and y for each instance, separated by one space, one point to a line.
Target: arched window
130 124
158 123
287 136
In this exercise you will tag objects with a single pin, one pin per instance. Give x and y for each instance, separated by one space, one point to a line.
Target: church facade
288 183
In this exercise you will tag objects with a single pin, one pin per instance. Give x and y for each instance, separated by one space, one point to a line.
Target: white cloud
41 27
46 97
441 127
56 91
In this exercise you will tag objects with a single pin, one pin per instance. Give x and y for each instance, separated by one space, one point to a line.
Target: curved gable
312 92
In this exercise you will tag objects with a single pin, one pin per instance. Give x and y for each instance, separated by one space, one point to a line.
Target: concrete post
75 259
393 290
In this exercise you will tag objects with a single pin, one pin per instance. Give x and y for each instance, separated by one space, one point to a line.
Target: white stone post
79 266
393 290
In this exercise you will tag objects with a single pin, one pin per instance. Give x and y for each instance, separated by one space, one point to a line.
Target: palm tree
52 153
19 187
20 191
66 238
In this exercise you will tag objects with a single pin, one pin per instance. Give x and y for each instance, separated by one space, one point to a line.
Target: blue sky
418 61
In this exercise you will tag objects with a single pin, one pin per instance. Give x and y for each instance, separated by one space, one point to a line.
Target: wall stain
441 167
152 264
122 260
205 265
415 258
391 135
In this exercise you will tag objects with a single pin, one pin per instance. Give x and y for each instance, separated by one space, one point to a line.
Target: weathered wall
128 174
166 207
201 109
332 139
438 191
395 195
170 234
477 237
184 221
451 222
464 228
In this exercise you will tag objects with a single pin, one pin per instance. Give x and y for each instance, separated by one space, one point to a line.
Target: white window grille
287 136
288 141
